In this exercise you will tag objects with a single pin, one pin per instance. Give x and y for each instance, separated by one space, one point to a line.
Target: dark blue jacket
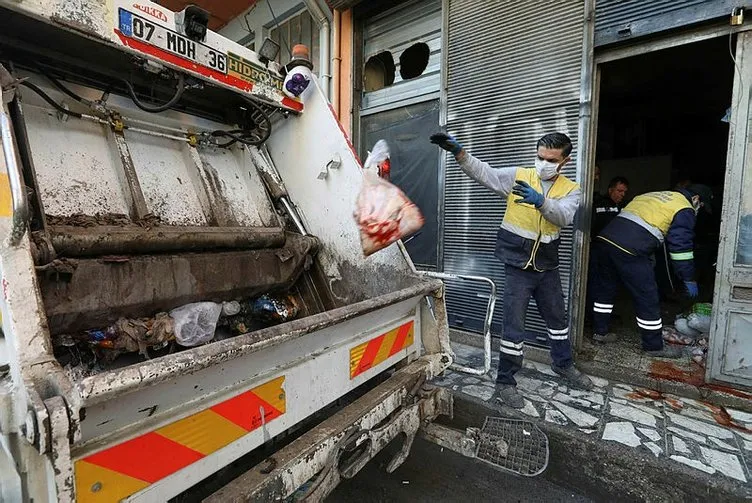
636 240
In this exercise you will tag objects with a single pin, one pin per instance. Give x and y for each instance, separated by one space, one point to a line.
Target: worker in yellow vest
540 201
622 255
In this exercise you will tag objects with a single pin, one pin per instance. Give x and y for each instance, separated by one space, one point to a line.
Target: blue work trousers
545 288
614 266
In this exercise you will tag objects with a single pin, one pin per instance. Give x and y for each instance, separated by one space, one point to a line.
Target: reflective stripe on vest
526 220
656 210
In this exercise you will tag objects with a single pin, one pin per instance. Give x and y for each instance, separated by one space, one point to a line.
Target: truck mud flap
340 446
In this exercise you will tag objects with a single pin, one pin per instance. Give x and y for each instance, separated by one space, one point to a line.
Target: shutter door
618 20
509 81
416 21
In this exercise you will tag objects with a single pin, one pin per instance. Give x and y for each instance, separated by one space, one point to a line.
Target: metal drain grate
513 445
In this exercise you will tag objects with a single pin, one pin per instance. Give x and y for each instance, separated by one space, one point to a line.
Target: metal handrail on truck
486 323
17 188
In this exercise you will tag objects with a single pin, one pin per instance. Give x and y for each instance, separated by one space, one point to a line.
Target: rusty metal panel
88 293
72 241
619 20
168 180
239 185
84 167
75 166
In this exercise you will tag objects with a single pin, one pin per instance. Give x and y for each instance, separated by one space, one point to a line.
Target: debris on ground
692 329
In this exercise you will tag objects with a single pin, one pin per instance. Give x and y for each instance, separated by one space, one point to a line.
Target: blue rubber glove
446 142
528 194
692 290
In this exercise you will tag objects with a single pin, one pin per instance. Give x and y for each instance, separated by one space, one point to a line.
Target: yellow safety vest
525 219
658 209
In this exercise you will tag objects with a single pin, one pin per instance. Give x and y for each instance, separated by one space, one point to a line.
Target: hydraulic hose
49 100
157 108
64 89
236 135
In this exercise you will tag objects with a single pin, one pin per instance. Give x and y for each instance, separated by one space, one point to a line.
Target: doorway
662 123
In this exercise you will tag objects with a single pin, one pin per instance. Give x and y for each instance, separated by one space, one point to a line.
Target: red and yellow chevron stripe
378 349
126 468
6 204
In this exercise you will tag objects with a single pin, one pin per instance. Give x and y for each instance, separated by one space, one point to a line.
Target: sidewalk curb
609 471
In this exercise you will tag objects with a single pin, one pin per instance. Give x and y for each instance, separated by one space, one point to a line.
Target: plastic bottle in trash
274 309
104 338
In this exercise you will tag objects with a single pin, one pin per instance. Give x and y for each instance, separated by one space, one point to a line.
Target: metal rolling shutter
395 30
513 75
617 20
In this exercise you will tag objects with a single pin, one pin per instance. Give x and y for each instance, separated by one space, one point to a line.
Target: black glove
446 142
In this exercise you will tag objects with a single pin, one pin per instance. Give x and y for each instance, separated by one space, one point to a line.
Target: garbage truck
151 167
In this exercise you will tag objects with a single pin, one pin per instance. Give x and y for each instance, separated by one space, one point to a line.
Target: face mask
696 204
546 169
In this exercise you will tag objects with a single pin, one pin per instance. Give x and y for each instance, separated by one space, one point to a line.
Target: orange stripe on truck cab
377 350
128 467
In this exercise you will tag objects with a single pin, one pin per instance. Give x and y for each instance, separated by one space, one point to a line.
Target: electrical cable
157 108
49 100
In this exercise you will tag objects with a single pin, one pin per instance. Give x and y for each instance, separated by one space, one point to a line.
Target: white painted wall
260 19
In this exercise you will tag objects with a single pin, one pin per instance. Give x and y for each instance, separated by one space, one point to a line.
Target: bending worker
540 201
623 250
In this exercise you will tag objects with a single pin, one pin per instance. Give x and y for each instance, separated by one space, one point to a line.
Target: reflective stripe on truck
126 468
369 354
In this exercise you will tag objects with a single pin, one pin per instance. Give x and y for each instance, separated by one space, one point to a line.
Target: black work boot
574 377
507 394
604 339
667 352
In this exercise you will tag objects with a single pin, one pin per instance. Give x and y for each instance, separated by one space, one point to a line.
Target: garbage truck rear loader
149 164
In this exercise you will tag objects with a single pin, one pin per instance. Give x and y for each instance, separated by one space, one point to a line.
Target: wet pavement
435 474
704 437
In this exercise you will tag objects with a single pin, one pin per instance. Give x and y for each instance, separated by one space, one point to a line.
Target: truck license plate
134 26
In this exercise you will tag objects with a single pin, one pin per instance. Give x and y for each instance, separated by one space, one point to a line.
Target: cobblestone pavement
705 437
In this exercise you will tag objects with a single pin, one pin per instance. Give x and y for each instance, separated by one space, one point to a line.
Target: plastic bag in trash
383 213
128 335
230 308
699 322
683 328
195 323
